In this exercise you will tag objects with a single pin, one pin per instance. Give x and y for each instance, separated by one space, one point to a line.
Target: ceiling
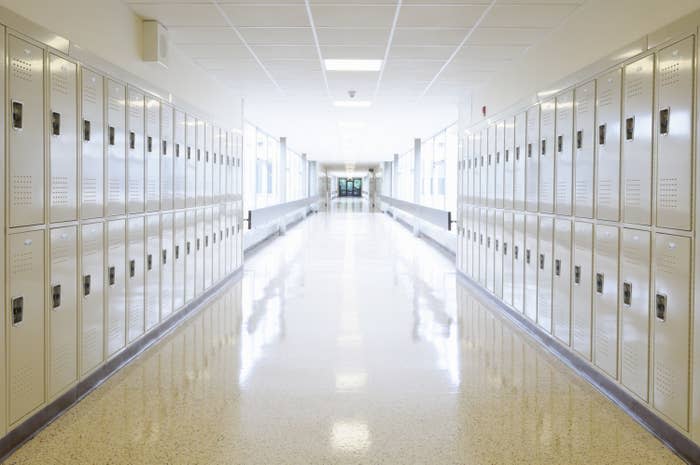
435 52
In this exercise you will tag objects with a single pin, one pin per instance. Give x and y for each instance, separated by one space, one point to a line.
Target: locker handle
165 256
206 156
177 252
189 153
226 232
149 262
187 247
199 154
132 140
111 135
664 116
199 244
496 245
149 144
543 145
165 147
132 268
56 296
86 285
177 150
527 256
213 238
498 158
627 293
55 123
112 276
541 261
517 153
481 239
488 242
215 158
577 274
529 150
599 281
505 248
489 159
206 241
515 252
481 160
560 144
602 129
661 306
17 310
507 155
629 128
17 108
86 130
579 139
557 267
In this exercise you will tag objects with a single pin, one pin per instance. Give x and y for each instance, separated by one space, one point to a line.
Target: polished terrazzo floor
347 341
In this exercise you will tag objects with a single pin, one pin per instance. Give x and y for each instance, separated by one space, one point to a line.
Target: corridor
346 341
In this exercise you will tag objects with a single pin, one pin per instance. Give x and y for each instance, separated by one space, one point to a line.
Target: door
167 265
179 259
92 136
546 154
605 298
584 121
582 288
520 162
116 286
92 297
153 269
116 148
608 104
153 154
518 262
532 149
167 158
544 273
531 265
135 290
563 162
561 281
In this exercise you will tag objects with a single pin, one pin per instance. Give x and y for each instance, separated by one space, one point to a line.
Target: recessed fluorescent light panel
352 103
353 65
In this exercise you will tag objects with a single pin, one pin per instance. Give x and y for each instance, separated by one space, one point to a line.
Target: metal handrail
435 216
266 215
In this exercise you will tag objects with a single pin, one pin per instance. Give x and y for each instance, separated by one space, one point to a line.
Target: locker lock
505 248
557 267
149 262
177 150
177 252
165 147
227 232
627 293
199 244
661 304
149 144
629 128
481 239
599 280
541 261
187 247
214 158
111 135
560 144
132 140
527 256
507 155
529 150
86 285
132 268
496 245
165 256
489 159
56 296
543 145
55 123
206 156
199 154
17 115
213 238
488 242
664 116
516 251
112 275
577 274
498 157
579 139
602 129
517 153
86 130
17 310
189 153
206 241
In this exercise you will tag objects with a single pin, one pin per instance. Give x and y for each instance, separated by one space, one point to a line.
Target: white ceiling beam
318 48
389 43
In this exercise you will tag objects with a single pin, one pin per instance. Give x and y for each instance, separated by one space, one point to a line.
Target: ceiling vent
155 43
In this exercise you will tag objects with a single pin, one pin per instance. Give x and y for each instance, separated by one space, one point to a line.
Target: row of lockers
105 285
613 294
617 148
104 148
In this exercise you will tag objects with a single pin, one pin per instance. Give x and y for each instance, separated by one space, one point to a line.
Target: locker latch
577 274
206 156
17 310
112 276
177 252
517 153
489 159
505 248
165 147
187 247
602 129
515 252
149 262
55 123
481 239
543 145
132 268
557 267
498 157
206 241
86 285
165 256
496 245
629 128
541 261
663 121
661 307
627 293
214 158
177 150
149 144
507 155
527 256
56 296
199 154
227 232
599 280
132 140
213 238
481 161
17 115
199 244
579 139
529 150
189 153
86 130
560 144
111 135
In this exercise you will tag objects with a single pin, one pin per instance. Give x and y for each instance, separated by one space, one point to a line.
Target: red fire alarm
483 110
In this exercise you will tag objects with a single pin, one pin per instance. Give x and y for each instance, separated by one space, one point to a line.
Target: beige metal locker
62 137
92 297
190 244
199 253
153 268
671 307
498 255
208 162
116 148
563 159
507 253
62 310
116 286
544 273
500 162
674 126
546 154
520 162
136 162
153 154
179 260
208 247
519 262
637 107
179 160
635 276
483 226
191 160
135 292
605 298
608 104
584 122
200 157
508 161
92 126
582 289
491 165
167 158
561 281
217 239
26 133
167 265
532 154
490 252
26 330
531 265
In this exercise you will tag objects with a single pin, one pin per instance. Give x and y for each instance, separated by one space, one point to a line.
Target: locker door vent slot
577 274
627 293
132 268
86 130
112 275
111 135
177 150
543 145
629 128
516 251
579 139
17 310
149 262
55 123
165 256
527 256
663 121
661 302
177 252
149 144
86 285
557 267
529 150
132 140
165 147
541 261
17 115
602 129
599 281
560 144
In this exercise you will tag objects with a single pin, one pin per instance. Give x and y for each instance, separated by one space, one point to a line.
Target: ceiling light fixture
352 103
352 65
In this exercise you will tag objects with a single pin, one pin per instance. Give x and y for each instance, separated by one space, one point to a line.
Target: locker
26 136
519 162
115 280
116 148
518 261
582 288
483 232
191 161
608 104
208 247
584 122
491 165
217 239
674 126
490 252
498 255
228 239
135 289
532 154
202 137
153 156
167 265
544 273
179 160
231 154
190 243
478 165
63 144
637 107
561 281
466 238
531 264
136 161
199 252
546 154
92 173
671 311
166 156
508 162
217 160
605 303
26 330
62 310
208 164
634 319
563 160
153 268
506 251
239 234
500 162
179 259
469 180
92 294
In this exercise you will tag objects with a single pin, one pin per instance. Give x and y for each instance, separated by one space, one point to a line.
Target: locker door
26 331
136 164
518 262
199 253
507 252
671 309
92 194
490 252
166 157
484 168
544 276
508 162
475 244
167 268
546 154
217 158
63 144
228 237
116 286
491 162
201 139
191 161
584 122
179 256
469 177
531 262
561 281
116 148
239 236
153 157
520 162
500 162
674 126
608 104
498 255
208 162
153 268
63 310
92 292
532 152
637 107
477 165
135 288
634 321
605 303
582 288
466 237
563 161
26 137
190 243
208 247
483 237
179 161
217 238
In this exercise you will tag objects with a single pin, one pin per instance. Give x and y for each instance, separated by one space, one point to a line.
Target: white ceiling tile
214 50
429 36
353 36
433 53
307 52
203 35
440 15
353 15
267 15
179 14
531 15
353 52
277 35
476 53
507 36
229 64
418 70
